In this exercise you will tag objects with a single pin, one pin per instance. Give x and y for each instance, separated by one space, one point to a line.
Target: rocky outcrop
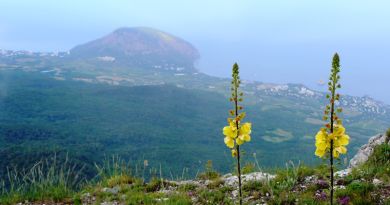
229 179
366 150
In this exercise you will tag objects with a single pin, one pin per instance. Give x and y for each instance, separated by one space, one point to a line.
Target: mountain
94 102
140 46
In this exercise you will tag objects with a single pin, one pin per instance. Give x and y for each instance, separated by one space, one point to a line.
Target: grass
209 172
49 182
377 166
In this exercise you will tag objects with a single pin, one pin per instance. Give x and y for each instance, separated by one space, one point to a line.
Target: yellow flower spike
332 140
236 131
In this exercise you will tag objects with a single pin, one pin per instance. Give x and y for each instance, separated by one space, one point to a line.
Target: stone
366 150
343 173
115 190
231 180
377 182
235 193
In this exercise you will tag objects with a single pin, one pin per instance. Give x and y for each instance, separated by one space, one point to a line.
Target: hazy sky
273 41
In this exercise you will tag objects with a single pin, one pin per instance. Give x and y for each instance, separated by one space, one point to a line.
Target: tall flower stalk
237 132
331 139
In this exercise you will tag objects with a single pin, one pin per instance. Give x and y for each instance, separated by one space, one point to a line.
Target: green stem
238 147
331 142
239 173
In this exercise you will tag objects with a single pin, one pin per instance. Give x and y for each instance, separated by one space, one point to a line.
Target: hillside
366 183
40 116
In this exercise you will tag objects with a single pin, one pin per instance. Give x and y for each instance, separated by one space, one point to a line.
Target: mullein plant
237 132
332 139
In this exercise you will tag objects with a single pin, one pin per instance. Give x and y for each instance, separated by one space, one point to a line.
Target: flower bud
234 153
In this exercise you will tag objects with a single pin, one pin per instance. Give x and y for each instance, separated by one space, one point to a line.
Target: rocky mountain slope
296 185
366 183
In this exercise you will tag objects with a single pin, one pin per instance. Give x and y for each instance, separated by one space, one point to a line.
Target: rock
231 181
377 182
310 179
366 150
227 175
109 203
343 173
114 190
255 176
86 195
167 191
235 193
207 182
337 187
162 199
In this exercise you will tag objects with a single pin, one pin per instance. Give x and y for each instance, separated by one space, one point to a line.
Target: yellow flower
245 131
230 131
232 135
229 142
239 141
321 143
340 140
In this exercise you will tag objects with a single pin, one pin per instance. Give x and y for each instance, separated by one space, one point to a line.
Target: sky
273 41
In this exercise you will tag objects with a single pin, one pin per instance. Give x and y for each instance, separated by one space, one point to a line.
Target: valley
91 105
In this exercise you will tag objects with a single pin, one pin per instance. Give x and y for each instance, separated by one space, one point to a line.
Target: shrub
248 168
209 173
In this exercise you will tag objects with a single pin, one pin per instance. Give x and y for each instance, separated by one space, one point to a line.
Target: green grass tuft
46 180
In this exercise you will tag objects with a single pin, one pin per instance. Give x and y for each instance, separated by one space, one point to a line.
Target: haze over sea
273 41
